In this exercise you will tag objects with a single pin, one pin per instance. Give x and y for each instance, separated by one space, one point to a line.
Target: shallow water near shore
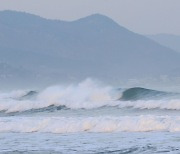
122 142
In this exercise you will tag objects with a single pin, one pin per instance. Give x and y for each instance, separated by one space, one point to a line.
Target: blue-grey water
89 118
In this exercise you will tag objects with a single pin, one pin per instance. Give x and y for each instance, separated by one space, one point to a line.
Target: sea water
89 118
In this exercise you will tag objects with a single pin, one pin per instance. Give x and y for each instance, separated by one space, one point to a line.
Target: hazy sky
141 16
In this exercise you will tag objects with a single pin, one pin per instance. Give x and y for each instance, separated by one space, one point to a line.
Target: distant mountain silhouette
94 46
168 40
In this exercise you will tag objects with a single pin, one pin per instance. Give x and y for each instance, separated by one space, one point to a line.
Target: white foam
90 124
87 94
18 106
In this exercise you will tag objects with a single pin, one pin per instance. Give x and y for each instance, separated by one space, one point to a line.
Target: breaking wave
90 124
87 95
138 93
29 95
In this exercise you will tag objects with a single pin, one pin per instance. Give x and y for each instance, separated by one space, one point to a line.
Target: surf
87 95
142 123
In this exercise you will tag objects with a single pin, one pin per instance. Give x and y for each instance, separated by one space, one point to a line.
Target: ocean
89 117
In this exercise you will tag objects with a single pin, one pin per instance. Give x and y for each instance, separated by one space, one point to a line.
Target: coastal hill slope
168 40
93 46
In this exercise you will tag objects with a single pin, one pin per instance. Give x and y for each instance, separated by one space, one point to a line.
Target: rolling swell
138 93
29 95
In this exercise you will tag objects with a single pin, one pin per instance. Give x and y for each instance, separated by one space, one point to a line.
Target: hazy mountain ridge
168 40
94 46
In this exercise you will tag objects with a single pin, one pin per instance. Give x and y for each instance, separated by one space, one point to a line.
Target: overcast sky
141 16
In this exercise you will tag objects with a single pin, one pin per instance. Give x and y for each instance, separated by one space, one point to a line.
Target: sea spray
88 94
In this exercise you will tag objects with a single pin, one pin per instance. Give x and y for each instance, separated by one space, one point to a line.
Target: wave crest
90 124
86 95
138 93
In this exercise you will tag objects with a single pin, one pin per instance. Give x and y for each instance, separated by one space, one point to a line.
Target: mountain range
168 40
36 50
